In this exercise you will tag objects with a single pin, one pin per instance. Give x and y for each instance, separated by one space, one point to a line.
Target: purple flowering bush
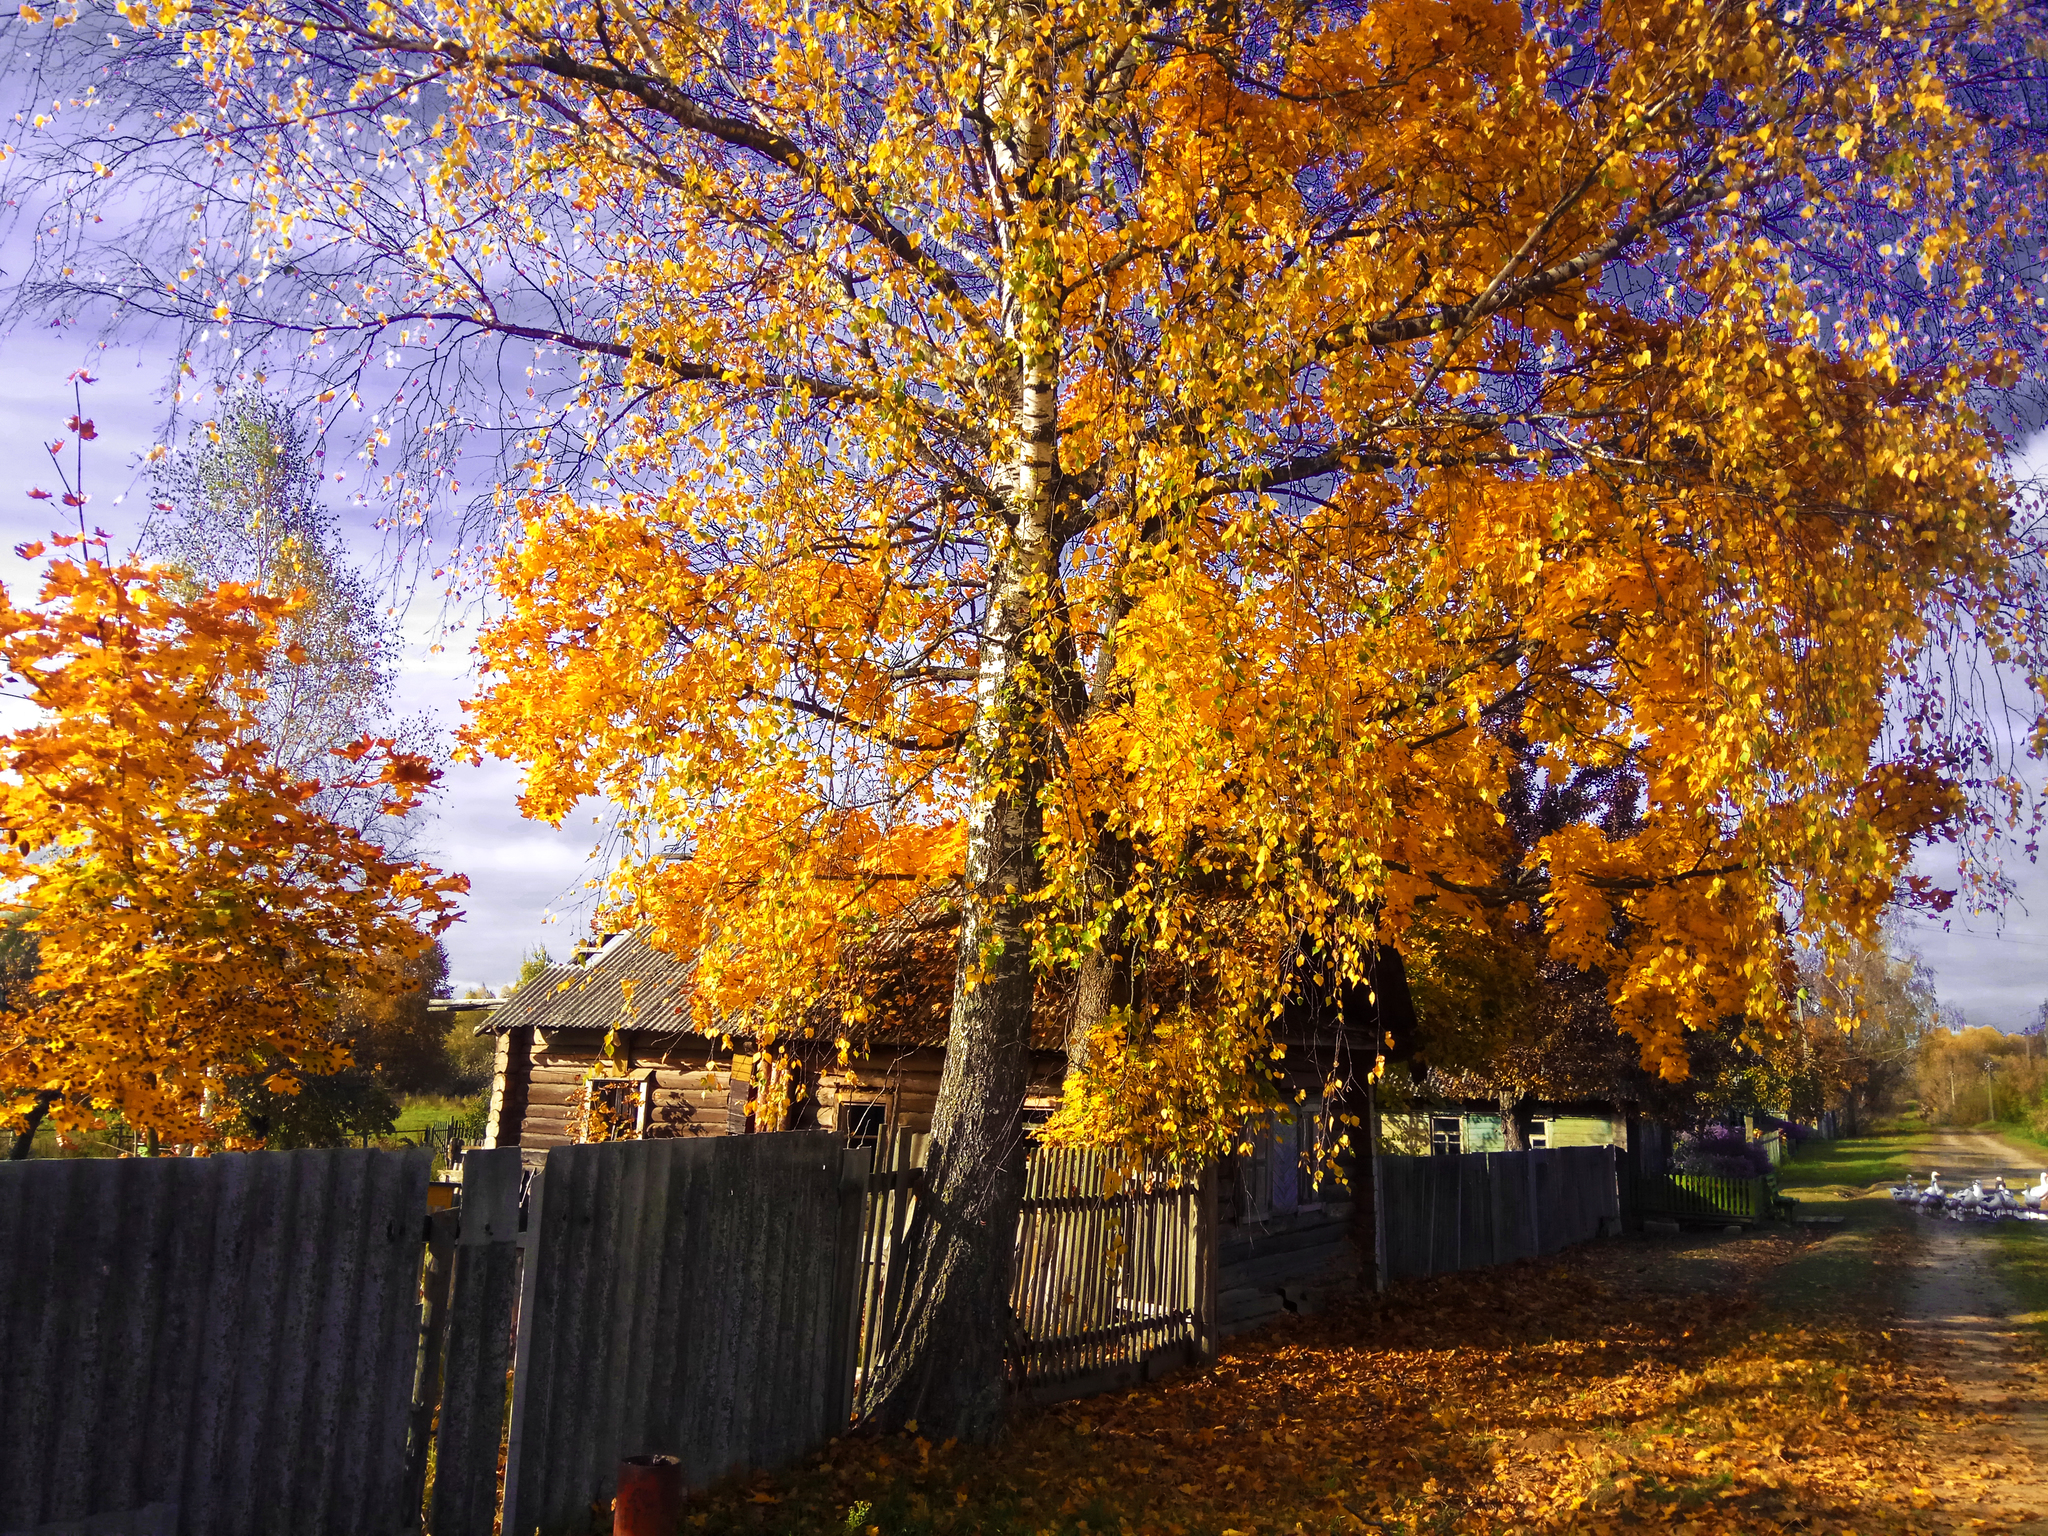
1719 1151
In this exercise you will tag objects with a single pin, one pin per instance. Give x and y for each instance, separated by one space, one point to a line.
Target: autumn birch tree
1107 467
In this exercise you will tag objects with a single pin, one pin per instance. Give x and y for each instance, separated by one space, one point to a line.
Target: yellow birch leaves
1419 372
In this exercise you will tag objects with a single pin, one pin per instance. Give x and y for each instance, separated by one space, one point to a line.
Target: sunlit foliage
196 916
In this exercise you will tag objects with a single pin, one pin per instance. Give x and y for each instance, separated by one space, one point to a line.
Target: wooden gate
1114 1267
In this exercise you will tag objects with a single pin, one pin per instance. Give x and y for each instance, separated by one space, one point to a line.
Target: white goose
2033 1197
1970 1203
2002 1201
1933 1197
1908 1192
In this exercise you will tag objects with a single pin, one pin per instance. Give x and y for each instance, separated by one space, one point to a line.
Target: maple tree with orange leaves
195 913
1107 466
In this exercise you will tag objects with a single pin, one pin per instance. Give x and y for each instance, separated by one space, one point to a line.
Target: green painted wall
1584 1131
1482 1133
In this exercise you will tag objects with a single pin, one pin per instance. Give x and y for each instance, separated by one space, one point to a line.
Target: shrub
1719 1151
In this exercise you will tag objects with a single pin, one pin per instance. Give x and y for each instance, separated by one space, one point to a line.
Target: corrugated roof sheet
593 996
905 974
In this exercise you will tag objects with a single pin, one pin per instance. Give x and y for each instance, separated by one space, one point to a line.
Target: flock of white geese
1976 1203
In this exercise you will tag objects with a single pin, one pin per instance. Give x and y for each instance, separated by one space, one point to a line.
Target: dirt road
1959 1314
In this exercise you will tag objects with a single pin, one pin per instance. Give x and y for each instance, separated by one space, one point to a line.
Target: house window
1284 1169
617 1108
862 1123
1254 1177
1539 1135
1446 1135
1034 1121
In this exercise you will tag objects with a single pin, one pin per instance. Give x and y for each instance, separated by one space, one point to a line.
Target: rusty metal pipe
650 1501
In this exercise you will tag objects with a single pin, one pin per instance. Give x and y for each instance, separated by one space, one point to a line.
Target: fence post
522 1347
471 1425
426 1384
854 1164
1379 1187
1206 1307
1614 1165
1629 1173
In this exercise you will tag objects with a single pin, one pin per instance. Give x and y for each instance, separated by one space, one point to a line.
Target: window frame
1311 1133
640 1085
860 1107
1274 1144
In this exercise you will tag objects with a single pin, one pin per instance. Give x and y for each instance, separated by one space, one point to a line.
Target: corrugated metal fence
1477 1209
688 1297
233 1337
250 1343
235 1345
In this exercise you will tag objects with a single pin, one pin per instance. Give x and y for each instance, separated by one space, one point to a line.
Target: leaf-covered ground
1753 1384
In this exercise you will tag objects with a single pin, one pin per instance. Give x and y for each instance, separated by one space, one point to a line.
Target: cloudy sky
1993 966
527 879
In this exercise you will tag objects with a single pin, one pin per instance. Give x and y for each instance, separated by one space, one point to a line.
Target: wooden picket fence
1702 1197
1113 1274
1109 1265
885 1234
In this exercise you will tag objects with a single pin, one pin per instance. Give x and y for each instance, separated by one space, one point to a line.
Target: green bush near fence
421 1112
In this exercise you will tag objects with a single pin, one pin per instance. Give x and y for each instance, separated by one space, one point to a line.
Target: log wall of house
554 1099
691 1087
907 1080
698 1093
514 1060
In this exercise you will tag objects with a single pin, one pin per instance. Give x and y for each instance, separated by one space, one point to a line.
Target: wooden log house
554 1083
1285 1235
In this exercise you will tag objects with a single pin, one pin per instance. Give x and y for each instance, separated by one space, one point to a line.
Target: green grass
108 1143
418 1111
1846 1169
2020 1136
2019 1253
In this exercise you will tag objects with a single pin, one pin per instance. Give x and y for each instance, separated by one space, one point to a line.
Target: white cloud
526 879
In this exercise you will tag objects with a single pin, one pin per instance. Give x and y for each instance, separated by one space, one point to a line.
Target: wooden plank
559 1097
853 1178
426 1391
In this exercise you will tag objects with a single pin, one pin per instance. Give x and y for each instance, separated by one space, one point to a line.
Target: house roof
591 994
903 974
